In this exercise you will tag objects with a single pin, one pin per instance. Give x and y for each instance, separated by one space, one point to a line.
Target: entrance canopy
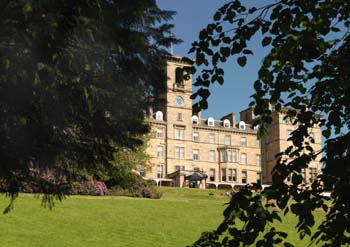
196 176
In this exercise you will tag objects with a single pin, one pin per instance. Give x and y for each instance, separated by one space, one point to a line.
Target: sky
234 95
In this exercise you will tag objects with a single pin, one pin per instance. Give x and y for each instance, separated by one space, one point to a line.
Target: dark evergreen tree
75 79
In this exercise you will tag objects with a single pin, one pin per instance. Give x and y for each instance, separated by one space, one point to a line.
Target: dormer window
227 123
195 120
242 125
179 76
210 121
159 116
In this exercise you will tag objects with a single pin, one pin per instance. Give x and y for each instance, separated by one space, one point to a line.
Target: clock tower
178 116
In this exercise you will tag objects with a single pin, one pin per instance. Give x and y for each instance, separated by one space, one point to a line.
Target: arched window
242 125
159 115
195 119
210 121
179 76
227 123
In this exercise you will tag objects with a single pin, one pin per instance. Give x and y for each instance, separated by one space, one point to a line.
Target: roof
196 176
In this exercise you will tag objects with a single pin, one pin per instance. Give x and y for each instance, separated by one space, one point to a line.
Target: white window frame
179 133
227 123
196 136
212 155
258 160
244 158
159 116
227 140
160 152
160 132
195 154
195 120
211 121
211 138
242 125
179 153
160 171
244 177
243 141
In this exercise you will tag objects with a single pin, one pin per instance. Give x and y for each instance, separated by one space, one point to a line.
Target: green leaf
266 41
326 133
225 51
248 52
217 16
297 179
242 61
27 8
220 80
40 66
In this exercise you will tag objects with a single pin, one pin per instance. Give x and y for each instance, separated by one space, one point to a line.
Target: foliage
305 70
75 78
89 187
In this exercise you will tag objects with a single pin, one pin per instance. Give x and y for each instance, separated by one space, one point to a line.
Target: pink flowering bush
89 187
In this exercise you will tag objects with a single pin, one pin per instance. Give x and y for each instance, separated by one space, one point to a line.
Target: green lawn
175 220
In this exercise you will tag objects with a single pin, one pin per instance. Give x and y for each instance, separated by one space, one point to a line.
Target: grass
177 219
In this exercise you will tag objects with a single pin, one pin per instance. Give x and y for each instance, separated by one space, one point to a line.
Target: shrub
89 187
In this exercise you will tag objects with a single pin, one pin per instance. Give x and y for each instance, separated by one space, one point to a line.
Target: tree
306 70
75 79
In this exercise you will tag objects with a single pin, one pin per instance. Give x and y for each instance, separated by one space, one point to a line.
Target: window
229 178
212 175
232 175
228 140
223 174
195 154
159 115
159 134
243 158
160 152
212 155
243 141
179 76
231 155
179 152
179 116
211 138
227 123
179 133
241 125
196 137
258 160
210 121
159 171
196 169
258 178
179 168
244 177
313 174
195 120
223 156
258 143
143 172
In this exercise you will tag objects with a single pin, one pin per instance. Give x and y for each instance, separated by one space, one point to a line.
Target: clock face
179 100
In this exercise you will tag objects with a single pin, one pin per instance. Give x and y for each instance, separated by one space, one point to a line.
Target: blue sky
234 95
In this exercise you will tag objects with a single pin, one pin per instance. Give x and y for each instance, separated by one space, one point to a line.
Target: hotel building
187 150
